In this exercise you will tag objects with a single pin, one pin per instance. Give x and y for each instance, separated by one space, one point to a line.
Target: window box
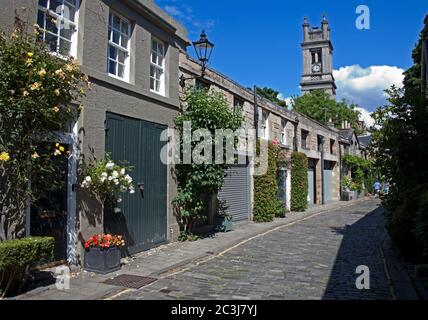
102 261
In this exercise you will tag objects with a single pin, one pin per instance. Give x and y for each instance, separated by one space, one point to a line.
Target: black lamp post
203 48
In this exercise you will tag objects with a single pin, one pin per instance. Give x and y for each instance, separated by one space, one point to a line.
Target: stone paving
312 259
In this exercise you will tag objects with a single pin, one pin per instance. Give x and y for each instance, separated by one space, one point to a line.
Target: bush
207 110
299 181
17 255
267 206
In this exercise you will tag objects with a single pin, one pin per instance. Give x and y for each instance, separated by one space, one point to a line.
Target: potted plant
105 181
223 220
347 189
102 253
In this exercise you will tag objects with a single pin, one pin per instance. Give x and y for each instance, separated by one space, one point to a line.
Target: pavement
310 255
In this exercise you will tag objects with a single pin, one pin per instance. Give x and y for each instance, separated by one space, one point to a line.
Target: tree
272 95
202 110
400 148
319 106
36 92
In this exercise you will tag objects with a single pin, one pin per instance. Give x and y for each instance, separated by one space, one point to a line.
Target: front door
142 220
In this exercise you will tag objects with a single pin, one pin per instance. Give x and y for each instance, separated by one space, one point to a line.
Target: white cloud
365 86
366 117
184 14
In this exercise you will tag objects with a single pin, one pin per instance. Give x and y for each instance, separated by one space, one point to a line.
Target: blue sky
258 42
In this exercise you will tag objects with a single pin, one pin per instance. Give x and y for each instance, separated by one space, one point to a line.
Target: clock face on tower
316 68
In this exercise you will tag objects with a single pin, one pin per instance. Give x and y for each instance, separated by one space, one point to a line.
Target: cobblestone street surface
312 259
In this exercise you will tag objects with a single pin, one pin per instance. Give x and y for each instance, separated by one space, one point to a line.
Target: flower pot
223 224
102 261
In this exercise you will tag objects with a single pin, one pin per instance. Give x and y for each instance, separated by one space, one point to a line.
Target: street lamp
203 48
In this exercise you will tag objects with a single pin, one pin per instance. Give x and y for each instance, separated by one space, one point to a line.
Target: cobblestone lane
312 259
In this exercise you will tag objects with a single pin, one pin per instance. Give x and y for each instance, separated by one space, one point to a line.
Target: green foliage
36 94
16 255
267 206
202 110
272 95
299 181
400 148
319 106
360 169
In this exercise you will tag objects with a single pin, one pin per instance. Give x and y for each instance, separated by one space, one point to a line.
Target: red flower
87 245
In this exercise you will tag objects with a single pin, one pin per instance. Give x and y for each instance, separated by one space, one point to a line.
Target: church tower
317 59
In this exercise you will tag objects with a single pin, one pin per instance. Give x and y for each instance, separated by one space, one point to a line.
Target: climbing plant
267 206
299 181
200 109
360 169
38 95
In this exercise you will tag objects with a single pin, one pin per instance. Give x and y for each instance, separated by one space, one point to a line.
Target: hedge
17 255
267 206
299 181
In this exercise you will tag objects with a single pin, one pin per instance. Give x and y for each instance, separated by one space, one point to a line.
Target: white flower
109 165
123 189
84 184
115 174
102 180
88 179
117 210
122 172
131 190
116 182
104 175
110 178
128 178
119 200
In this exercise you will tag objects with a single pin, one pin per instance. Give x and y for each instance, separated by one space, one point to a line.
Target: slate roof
365 140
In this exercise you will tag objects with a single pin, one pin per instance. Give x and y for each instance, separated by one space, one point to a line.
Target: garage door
328 181
311 186
143 215
236 192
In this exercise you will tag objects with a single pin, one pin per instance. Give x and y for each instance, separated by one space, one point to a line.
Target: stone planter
102 261
223 224
348 195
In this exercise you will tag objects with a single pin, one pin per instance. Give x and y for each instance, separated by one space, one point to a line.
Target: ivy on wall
299 181
360 169
267 206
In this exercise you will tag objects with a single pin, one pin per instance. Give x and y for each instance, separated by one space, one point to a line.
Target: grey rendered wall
132 99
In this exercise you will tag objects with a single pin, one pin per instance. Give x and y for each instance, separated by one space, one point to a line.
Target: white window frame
60 18
158 67
265 125
119 47
284 132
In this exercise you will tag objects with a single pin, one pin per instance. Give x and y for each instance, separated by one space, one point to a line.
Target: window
316 56
265 125
118 46
283 132
157 67
238 105
305 135
57 20
320 143
332 143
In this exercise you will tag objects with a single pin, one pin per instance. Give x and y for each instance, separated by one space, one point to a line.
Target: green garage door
143 217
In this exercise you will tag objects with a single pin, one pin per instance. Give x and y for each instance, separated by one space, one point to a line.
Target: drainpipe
296 149
322 171
256 115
